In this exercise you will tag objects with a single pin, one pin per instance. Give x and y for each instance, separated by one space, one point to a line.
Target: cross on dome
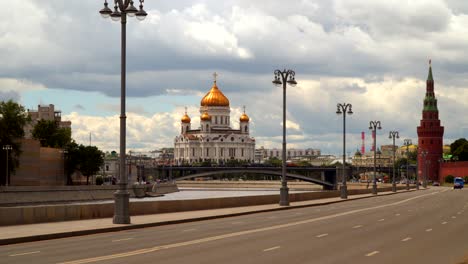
215 75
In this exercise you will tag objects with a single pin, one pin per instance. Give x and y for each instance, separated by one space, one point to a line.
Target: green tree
457 143
51 135
71 160
90 159
462 152
12 121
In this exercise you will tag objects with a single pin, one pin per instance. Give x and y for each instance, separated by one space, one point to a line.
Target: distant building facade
44 112
263 154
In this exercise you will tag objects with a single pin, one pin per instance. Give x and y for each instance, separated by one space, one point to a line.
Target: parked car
458 183
435 184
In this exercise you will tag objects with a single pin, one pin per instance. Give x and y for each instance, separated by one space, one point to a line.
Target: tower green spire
429 76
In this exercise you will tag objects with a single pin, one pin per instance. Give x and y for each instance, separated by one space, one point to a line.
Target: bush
465 179
99 180
449 179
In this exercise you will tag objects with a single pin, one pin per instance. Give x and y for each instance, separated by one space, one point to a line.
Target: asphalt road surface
429 226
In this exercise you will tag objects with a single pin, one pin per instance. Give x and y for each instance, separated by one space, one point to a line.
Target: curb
34 238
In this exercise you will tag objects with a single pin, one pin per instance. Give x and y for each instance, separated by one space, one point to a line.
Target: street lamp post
374 125
282 78
7 148
407 142
122 8
428 162
393 134
424 154
344 109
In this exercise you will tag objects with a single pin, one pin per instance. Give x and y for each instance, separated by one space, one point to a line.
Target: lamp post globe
281 79
122 9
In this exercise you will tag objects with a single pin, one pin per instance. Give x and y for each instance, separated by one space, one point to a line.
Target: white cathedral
214 140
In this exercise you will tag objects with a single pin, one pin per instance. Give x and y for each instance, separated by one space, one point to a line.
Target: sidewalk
43 231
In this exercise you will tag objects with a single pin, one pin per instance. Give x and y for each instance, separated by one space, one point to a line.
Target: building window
232 138
193 151
242 152
107 167
207 152
221 152
207 127
246 128
216 119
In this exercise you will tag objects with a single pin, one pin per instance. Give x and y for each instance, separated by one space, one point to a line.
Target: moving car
458 183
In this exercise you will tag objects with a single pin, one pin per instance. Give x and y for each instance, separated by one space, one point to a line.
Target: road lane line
237 223
397 214
189 230
322 235
454 217
406 239
380 220
372 253
272 217
444 223
236 234
357 226
429 230
123 239
22 254
270 249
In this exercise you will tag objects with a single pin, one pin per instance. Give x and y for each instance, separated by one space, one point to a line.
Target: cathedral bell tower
430 134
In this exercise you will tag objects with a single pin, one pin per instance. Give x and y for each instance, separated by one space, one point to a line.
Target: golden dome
185 119
214 97
244 118
205 116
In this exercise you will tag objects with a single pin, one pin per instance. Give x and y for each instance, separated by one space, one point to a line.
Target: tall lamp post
424 154
344 109
393 134
374 125
7 148
407 142
122 9
282 78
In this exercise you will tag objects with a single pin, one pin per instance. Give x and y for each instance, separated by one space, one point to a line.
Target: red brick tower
430 134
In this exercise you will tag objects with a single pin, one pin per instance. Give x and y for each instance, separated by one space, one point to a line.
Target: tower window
232 138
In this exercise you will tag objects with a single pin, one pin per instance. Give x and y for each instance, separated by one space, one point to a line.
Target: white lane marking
380 220
454 217
397 214
235 234
406 239
237 223
22 254
299 213
372 253
189 230
123 239
459 212
321 235
270 249
429 230
357 226
272 217
444 223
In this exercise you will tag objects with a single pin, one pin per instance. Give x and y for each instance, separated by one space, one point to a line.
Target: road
429 226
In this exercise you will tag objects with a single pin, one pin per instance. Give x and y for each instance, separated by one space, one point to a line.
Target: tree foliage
90 159
12 122
459 149
51 135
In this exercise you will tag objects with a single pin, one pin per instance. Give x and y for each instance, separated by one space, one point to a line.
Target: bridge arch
266 172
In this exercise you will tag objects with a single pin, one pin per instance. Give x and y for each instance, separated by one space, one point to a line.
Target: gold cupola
244 117
214 97
205 116
185 118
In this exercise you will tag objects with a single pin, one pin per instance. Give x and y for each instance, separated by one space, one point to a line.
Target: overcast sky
372 54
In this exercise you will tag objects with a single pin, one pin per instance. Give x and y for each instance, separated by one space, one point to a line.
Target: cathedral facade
214 140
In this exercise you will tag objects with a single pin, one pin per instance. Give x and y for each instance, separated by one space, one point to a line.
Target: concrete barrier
64 212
